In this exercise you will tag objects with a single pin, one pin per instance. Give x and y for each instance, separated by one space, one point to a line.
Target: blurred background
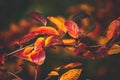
102 11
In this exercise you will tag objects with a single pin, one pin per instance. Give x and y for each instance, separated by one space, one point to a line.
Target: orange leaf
53 73
58 22
24 54
69 41
38 57
113 29
46 30
102 40
39 43
115 49
72 74
52 40
72 28
27 51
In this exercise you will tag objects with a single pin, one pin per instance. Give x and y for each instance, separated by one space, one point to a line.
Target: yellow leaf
115 49
72 74
58 22
39 43
52 40
27 50
61 18
53 73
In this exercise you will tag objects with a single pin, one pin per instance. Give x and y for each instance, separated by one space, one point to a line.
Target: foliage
67 34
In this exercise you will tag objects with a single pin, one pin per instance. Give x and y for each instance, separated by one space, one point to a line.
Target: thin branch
8 72
14 75
61 45
18 50
36 73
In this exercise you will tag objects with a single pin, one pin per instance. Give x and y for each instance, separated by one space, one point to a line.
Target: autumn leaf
31 55
102 40
72 65
46 30
69 41
113 29
27 51
52 40
2 56
72 74
39 17
88 54
80 49
58 22
72 28
38 57
53 73
39 43
115 49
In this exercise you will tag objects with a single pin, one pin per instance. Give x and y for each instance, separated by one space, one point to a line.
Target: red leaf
80 49
38 57
52 40
88 54
46 30
2 59
39 17
39 43
27 38
72 28
113 29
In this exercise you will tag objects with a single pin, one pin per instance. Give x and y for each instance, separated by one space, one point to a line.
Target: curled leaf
72 74
80 49
58 22
39 43
38 57
115 49
46 30
52 40
69 41
72 28
113 29
39 17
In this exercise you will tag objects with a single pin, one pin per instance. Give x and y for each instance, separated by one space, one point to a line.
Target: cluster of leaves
67 34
